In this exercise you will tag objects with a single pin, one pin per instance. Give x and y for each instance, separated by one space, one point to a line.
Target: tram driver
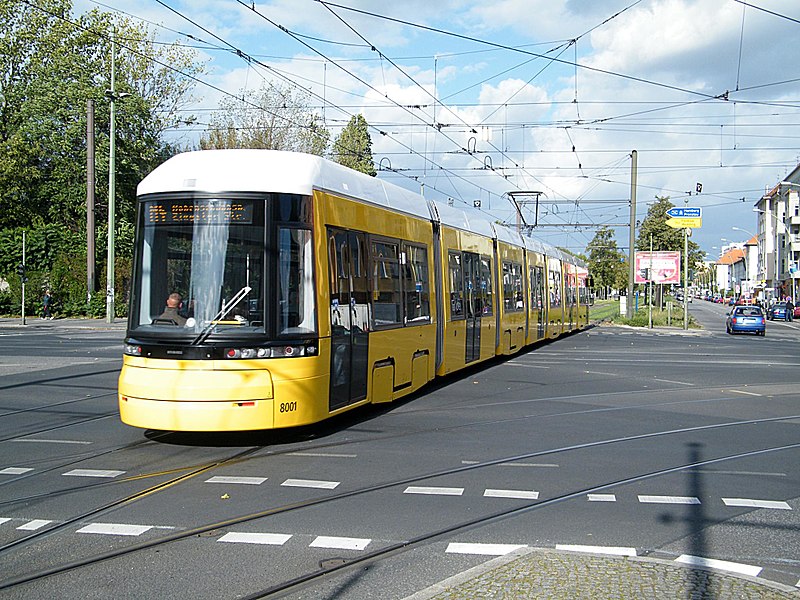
171 313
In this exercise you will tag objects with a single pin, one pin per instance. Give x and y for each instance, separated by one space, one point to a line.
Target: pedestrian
47 305
789 309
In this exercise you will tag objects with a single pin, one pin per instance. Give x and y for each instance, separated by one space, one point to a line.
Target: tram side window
584 297
456 279
572 295
386 307
416 296
537 285
555 288
512 287
486 286
296 309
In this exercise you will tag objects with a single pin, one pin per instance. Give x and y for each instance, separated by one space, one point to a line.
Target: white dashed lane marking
749 503
237 480
93 473
601 497
433 491
520 494
271 539
339 543
669 500
723 565
483 549
14 471
615 550
311 483
115 529
41 441
34 525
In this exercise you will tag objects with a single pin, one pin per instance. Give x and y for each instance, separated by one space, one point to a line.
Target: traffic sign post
690 217
686 218
685 223
687 212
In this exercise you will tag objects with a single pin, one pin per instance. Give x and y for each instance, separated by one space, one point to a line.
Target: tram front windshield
200 271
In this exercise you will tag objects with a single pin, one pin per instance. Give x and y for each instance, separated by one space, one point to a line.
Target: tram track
253 454
393 548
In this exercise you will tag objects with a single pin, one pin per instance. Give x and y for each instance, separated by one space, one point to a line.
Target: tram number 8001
288 407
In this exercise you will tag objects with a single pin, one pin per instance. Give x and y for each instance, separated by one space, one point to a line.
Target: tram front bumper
183 398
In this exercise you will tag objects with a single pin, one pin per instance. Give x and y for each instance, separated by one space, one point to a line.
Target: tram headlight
287 351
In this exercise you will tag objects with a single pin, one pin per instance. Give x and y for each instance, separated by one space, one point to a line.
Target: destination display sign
190 212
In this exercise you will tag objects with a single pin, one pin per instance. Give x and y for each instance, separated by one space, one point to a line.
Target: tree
272 118
353 146
604 260
664 237
51 64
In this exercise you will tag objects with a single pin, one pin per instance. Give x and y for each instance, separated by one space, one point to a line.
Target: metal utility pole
111 194
686 233
650 287
23 277
90 181
632 237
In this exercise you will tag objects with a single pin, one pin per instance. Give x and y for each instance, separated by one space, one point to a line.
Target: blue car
746 318
778 311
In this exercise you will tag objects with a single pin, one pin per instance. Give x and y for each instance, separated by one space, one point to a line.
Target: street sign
685 222
687 212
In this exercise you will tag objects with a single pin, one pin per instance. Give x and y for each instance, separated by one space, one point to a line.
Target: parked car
777 311
796 312
746 319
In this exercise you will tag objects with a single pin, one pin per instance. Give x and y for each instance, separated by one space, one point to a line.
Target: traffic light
21 272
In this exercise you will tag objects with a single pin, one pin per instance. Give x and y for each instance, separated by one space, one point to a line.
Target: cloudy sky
476 99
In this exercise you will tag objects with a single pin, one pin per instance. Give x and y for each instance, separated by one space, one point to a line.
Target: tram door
474 302
347 256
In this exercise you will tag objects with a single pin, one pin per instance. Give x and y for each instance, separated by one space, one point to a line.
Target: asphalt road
667 444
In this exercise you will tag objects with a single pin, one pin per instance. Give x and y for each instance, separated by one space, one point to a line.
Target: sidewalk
36 323
547 574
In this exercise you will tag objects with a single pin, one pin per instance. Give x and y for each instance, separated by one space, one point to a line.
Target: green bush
56 259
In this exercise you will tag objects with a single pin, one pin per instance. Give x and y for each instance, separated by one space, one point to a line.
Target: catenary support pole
632 238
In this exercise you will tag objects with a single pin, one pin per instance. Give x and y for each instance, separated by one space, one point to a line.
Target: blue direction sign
685 212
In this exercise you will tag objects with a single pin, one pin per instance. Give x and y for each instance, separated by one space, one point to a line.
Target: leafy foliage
664 236
51 64
605 260
271 118
353 146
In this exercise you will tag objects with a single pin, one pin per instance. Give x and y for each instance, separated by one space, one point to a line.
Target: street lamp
744 255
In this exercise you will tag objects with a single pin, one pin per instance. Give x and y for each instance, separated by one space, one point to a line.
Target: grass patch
608 310
604 310
661 318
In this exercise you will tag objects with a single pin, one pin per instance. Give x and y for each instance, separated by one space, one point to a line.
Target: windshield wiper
226 308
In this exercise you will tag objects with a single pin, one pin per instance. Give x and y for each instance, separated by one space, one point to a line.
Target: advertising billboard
663 267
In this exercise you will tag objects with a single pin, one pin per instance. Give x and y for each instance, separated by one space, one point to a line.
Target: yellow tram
275 289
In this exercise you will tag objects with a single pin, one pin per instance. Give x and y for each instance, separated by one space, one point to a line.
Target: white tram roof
276 171
461 219
504 234
218 171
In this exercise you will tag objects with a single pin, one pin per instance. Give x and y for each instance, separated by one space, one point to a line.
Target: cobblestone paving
553 574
